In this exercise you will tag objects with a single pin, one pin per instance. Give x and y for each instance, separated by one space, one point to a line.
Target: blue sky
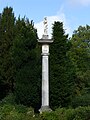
72 13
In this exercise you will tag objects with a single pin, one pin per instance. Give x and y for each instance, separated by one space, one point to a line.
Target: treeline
20 63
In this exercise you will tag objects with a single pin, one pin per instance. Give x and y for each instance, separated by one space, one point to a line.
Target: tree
61 69
25 54
7 21
80 56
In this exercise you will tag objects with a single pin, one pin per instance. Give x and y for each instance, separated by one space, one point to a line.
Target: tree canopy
80 55
20 62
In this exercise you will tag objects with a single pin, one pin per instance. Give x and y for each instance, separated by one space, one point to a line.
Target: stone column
45 79
45 41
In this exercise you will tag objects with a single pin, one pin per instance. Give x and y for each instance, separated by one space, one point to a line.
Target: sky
72 13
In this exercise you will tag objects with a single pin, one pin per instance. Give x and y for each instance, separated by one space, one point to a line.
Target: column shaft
45 81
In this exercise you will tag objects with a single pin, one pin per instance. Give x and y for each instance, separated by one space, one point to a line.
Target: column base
44 109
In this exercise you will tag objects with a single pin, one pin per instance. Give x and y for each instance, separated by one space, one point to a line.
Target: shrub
49 116
80 113
83 100
21 112
9 99
16 112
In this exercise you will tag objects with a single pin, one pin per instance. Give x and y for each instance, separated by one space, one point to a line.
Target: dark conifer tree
7 21
61 69
25 54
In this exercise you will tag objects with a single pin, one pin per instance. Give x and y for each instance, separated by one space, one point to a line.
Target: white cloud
79 2
51 19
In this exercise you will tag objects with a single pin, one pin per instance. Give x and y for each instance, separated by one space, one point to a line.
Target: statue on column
45 26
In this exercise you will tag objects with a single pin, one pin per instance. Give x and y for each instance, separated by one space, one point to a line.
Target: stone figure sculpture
45 26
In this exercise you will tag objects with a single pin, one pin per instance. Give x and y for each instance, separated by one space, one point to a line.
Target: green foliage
83 100
19 59
80 56
26 64
20 69
61 69
17 112
7 21
80 113
9 99
49 116
10 111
